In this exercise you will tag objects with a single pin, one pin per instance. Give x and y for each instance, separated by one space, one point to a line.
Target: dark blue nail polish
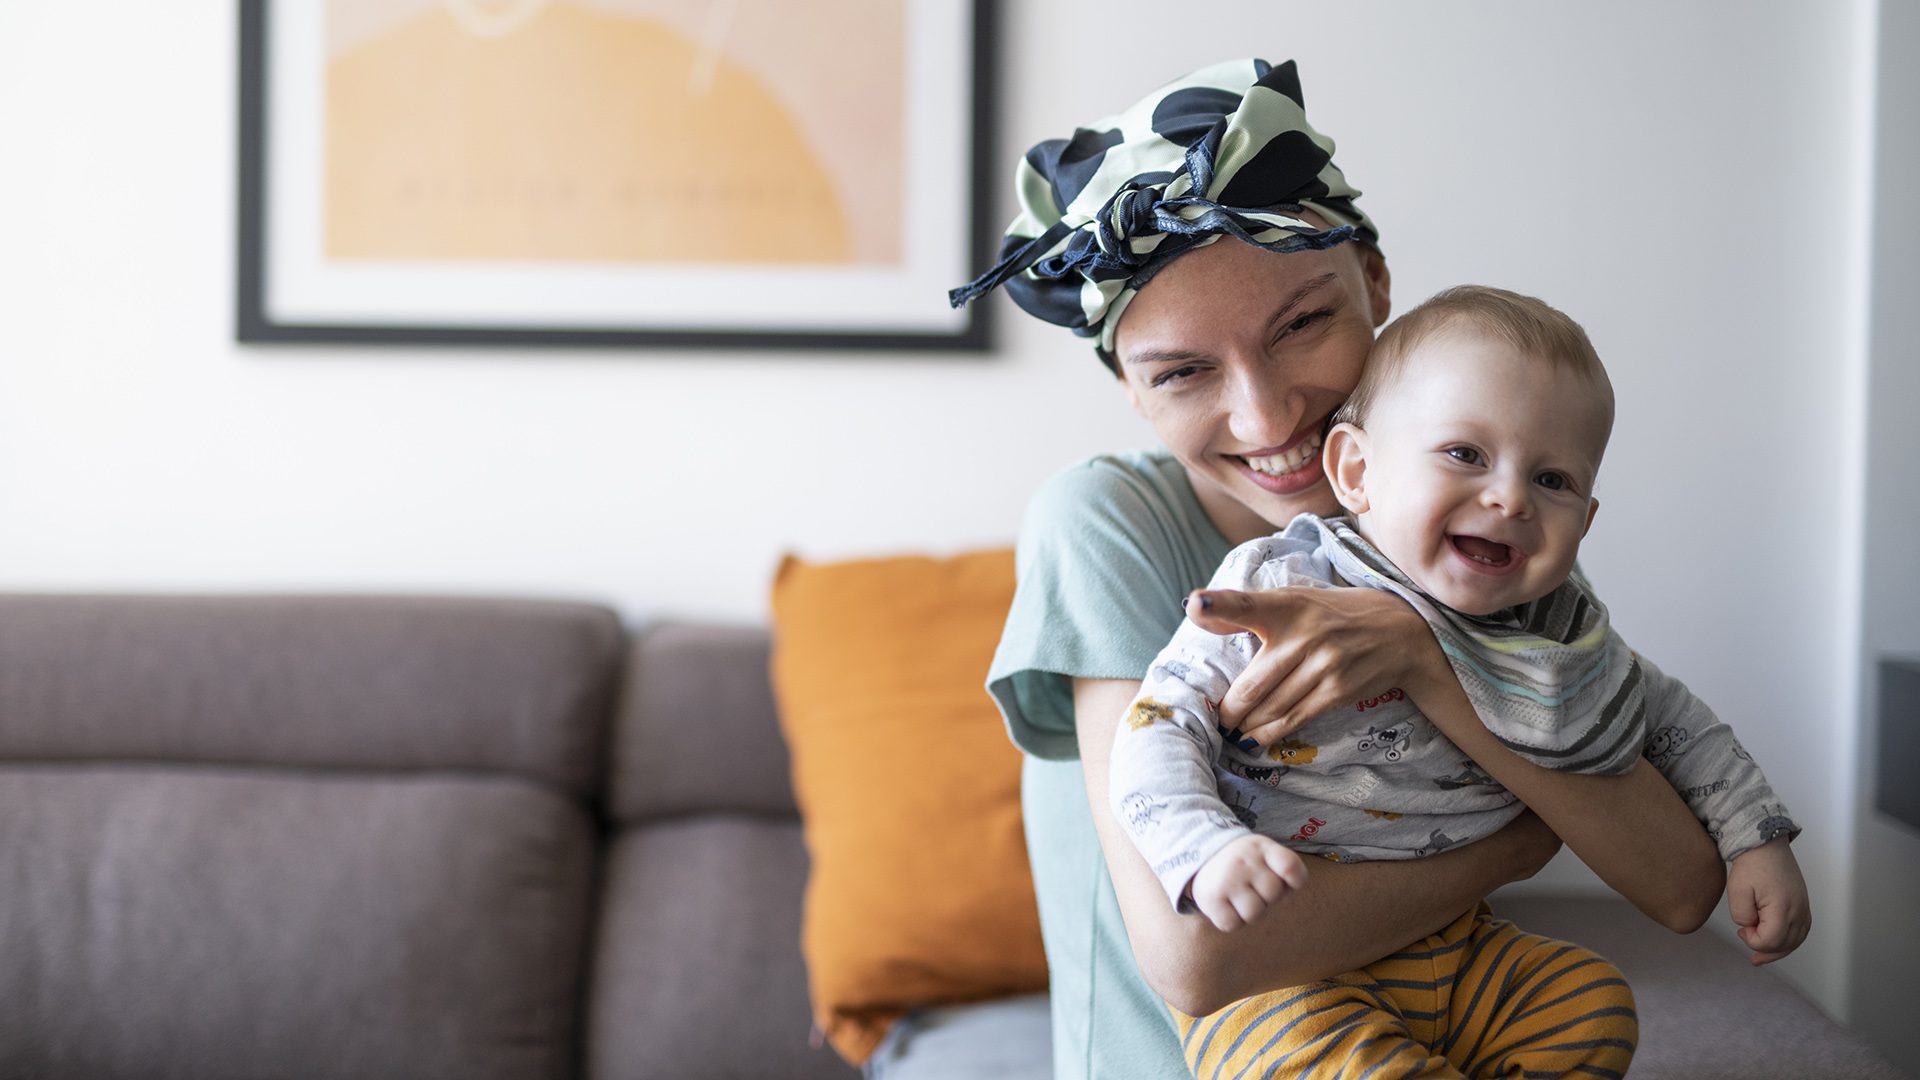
1249 745
1206 603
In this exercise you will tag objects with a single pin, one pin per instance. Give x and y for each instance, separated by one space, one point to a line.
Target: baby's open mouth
1483 551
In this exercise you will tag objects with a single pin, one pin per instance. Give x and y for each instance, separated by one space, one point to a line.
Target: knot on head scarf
1225 151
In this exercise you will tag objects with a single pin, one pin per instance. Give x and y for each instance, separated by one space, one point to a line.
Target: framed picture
738 173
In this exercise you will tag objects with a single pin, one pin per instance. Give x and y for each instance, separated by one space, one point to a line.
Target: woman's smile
1288 469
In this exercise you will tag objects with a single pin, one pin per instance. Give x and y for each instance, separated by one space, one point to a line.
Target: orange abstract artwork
626 131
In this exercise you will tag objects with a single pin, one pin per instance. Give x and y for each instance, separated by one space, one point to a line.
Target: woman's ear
1379 285
1345 460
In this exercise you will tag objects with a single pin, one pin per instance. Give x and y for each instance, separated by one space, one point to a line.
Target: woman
1209 245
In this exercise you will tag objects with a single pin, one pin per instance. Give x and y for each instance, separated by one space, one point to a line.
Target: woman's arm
1345 917
1633 830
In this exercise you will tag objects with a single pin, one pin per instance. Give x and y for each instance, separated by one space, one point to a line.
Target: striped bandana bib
1225 151
1550 678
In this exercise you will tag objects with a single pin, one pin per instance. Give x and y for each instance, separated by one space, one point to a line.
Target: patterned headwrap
1203 157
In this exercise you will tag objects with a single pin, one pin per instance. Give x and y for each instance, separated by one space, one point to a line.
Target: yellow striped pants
1481 998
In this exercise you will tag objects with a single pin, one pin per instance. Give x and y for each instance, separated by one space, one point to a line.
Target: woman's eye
1553 481
1305 321
1173 375
1465 455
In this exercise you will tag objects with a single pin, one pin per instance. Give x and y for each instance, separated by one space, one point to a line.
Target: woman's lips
1284 483
1285 470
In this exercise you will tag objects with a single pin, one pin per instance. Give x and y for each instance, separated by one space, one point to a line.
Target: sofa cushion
386 683
695 731
212 923
697 970
908 788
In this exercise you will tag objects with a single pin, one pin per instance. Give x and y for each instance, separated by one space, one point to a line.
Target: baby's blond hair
1534 328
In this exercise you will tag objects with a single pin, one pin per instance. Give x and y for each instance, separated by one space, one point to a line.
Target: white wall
1685 178
1885 979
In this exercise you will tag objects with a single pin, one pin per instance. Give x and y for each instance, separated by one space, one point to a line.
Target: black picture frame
257 323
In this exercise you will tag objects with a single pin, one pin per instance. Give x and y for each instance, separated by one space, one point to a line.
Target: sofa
310 837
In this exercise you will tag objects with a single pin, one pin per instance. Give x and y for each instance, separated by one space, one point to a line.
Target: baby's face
1479 470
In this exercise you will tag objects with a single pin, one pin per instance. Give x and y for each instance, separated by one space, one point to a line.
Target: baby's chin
1478 603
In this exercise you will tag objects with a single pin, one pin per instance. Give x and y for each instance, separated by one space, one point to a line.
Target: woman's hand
1320 649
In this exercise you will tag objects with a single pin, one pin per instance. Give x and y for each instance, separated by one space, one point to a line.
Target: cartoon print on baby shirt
1391 741
1146 711
1293 752
1143 810
1776 824
1242 811
1468 776
1179 671
1393 695
1436 844
1259 774
1244 643
1383 815
1665 744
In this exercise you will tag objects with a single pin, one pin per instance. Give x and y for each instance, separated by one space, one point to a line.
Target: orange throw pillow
909 789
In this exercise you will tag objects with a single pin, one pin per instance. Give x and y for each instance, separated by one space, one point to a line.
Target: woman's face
1236 356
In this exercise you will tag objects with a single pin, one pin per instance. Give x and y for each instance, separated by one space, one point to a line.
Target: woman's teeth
1290 461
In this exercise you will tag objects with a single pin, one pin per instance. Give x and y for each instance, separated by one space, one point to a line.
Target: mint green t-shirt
1108 550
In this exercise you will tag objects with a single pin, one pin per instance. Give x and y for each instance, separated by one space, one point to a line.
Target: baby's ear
1593 507
1345 460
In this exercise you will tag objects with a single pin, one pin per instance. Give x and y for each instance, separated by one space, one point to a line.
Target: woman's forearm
1345 917
1632 830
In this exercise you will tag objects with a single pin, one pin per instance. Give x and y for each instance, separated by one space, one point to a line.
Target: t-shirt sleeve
1717 777
1102 571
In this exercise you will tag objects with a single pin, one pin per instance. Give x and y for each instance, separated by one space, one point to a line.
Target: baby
1466 459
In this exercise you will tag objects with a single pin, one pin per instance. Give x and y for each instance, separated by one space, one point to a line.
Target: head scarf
1203 157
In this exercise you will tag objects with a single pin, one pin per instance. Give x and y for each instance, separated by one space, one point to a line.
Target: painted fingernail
1206 603
1249 745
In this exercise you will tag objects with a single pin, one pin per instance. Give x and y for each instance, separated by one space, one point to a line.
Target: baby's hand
1243 878
1768 898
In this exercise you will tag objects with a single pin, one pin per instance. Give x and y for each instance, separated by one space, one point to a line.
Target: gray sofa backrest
697 969
311 837
379 684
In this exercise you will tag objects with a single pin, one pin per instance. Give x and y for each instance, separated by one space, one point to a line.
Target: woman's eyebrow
1281 314
1161 356
1307 288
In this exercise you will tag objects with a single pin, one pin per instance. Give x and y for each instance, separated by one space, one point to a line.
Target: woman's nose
1261 413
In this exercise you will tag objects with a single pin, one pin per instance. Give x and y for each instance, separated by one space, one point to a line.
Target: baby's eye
1553 481
1465 455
